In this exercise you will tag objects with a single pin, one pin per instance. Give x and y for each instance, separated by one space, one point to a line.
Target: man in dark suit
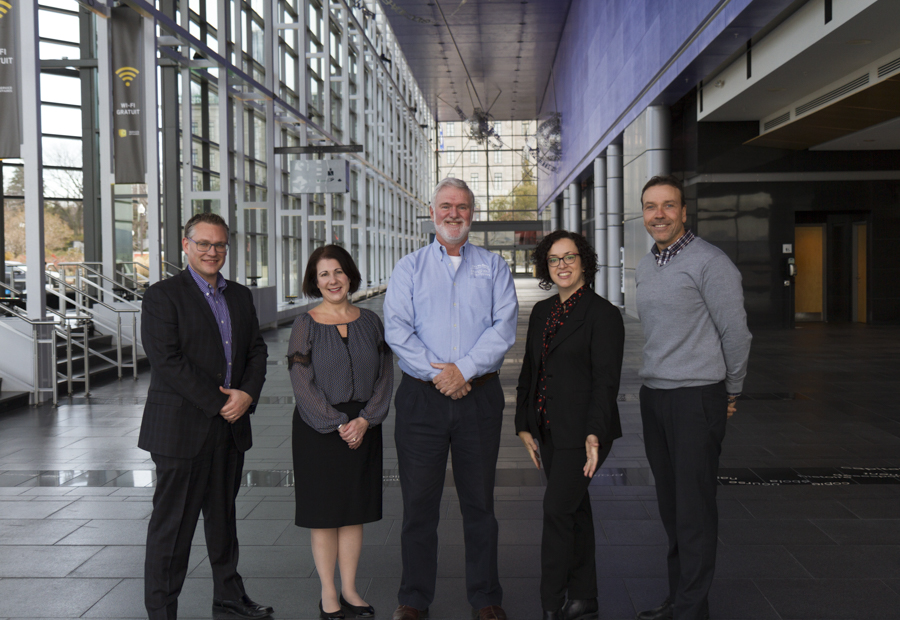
208 363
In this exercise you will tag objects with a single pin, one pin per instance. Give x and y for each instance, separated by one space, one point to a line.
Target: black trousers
207 482
683 433
568 568
428 426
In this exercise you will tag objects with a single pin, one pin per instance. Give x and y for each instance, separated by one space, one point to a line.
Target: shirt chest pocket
480 276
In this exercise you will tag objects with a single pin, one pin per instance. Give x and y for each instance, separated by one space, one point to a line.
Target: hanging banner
127 60
10 105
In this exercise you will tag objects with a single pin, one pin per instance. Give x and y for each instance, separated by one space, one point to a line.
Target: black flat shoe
580 609
365 611
330 615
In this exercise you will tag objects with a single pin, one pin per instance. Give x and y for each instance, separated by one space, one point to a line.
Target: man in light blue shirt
450 317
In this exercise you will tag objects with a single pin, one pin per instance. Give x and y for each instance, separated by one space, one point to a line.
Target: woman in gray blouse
342 374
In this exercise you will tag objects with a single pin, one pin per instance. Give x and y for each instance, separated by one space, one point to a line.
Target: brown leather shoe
405 612
491 612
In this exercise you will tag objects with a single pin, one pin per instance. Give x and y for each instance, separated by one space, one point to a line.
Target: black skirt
334 485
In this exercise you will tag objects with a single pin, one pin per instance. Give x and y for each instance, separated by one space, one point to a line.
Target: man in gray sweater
691 306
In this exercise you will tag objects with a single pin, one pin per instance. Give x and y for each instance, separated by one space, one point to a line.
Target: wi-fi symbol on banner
126 73
4 8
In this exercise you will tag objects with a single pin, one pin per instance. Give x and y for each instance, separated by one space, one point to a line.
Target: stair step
10 400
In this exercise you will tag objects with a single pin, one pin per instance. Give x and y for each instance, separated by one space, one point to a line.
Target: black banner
10 103
127 59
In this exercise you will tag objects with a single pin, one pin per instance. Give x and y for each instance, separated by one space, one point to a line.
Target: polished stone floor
809 501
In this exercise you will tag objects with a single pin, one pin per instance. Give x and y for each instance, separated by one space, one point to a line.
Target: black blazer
583 369
187 361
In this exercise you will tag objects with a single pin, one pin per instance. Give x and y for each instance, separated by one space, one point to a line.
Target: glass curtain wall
504 180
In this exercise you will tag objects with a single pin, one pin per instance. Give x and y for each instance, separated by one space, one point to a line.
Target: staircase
101 370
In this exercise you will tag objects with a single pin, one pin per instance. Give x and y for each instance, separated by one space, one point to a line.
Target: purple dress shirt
219 307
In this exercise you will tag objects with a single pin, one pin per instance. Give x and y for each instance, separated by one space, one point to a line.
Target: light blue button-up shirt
432 314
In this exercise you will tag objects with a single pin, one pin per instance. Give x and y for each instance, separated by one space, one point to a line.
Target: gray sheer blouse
325 370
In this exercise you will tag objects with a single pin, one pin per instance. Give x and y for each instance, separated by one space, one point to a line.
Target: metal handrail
168 273
118 312
65 319
87 281
36 341
136 284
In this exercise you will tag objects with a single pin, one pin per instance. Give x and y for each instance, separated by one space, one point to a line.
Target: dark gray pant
683 432
184 487
428 426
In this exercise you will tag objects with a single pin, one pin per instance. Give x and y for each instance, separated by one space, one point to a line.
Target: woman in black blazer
567 416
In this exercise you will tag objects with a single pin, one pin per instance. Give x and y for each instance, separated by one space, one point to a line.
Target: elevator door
809 284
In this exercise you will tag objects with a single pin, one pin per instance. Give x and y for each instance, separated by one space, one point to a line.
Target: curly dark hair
310 287
585 251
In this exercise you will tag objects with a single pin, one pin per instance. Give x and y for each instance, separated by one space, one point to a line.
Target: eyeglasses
205 246
568 259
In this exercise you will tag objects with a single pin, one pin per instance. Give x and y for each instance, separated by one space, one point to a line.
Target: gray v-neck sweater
692 314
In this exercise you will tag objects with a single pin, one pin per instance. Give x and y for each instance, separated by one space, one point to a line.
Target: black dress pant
568 567
428 426
683 433
207 482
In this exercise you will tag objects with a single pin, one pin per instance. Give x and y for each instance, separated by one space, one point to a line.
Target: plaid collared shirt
664 256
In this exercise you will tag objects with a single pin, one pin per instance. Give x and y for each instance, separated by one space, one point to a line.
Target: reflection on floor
809 503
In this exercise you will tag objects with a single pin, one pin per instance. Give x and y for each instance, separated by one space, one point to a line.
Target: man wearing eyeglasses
208 363
691 306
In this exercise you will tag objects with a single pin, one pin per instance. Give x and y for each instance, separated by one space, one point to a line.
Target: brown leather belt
475 381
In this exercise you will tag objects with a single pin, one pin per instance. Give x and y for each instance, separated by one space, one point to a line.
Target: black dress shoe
361 611
663 612
244 608
580 609
330 615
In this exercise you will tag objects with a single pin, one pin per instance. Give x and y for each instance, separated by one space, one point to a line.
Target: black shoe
364 611
580 609
330 615
663 612
552 615
244 608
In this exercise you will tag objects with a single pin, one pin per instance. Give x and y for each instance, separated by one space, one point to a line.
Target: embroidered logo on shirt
480 271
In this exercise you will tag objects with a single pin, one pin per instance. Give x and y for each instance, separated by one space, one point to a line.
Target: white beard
444 232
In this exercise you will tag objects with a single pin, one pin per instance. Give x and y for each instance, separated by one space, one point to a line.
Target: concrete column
614 206
573 209
601 285
646 153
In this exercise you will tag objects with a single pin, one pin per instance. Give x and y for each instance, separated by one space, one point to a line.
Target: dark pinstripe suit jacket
187 360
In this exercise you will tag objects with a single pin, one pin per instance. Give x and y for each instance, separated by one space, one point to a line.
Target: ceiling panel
503 50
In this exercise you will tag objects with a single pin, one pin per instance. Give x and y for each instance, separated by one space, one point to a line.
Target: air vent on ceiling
778 120
890 67
838 92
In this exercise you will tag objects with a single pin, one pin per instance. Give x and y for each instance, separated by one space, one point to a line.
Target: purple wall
611 50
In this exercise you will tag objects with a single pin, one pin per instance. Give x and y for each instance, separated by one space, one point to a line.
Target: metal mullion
326 101
302 69
239 119
345 119
226 196
151 149
273 161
